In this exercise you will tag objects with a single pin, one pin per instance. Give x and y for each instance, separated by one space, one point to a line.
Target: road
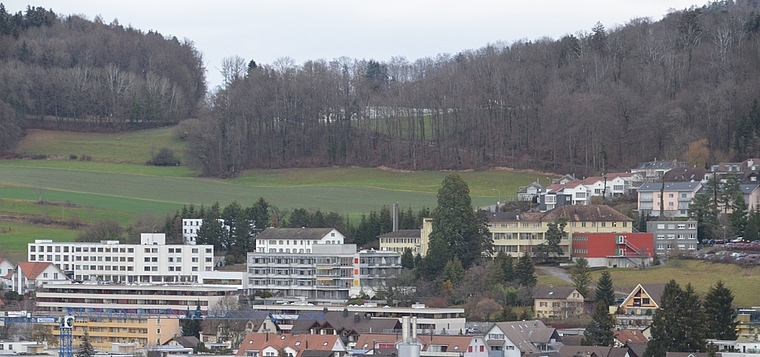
555 271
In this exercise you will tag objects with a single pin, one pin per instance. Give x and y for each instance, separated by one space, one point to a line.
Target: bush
164 157
85 158
72 157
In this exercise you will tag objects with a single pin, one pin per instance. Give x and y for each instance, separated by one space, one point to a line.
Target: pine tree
453 271
738 217
581 276
679 324
191 324
85 347
407 259
457 231
599 331
605 293
526 271
718 307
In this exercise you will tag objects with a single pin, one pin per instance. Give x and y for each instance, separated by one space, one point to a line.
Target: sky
266 30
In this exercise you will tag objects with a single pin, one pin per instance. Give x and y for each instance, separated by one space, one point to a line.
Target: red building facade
614 250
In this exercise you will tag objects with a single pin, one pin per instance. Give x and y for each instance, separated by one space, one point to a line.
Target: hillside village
305 290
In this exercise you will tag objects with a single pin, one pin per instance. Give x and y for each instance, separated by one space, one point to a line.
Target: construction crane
66 322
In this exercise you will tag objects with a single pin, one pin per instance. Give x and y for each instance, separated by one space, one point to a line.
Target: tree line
74 73
591 101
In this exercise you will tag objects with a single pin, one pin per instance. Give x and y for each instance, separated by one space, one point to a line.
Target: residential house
190 342
514 339
623 337
6 269
653 171
724 169
400 240
639 306
453 346
229 333
269 344
529 192
348 325
558 302
675 198
622 183
614 250
30 276
671 236
688 174
516 233
751 193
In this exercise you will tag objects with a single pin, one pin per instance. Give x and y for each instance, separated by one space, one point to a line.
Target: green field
743 282
117 185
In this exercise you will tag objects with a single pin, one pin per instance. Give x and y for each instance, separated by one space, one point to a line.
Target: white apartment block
152 261
191 226
296 240
313 264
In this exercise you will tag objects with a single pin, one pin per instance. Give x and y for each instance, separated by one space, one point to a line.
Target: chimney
345 312
405 329
395 217
357 318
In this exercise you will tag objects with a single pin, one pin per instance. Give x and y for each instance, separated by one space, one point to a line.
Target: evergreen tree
580 273
718 305
679 324
85 347
300 218
599 331
453 271
191 324
457 231
751 233
526 271
738 217
407 259
604 290
259 213
554 235
385 220
704 210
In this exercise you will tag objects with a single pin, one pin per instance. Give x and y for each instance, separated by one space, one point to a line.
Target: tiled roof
346 321
32 270
525 333
580 213
630 336
503 216
547 292
669 186
454 342
402 233
294 233
299 343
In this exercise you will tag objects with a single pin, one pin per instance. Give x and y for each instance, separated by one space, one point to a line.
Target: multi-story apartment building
152 261
147 313
296 240
670 236
400 240
614 250
329 274
518 233
675 198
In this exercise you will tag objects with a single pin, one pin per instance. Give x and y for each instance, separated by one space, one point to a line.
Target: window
195 259
195 250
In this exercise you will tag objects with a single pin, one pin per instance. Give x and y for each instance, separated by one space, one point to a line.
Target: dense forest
592 101
74 73
597 100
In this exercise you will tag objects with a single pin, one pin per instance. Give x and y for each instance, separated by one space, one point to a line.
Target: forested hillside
73 73
588 102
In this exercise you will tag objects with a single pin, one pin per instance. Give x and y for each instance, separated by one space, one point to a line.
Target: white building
518 338
30 276
152 261
191 226
6 267
314 264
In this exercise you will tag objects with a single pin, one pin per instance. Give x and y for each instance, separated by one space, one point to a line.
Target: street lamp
499 201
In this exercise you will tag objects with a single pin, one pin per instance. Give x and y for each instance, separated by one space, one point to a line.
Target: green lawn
14 236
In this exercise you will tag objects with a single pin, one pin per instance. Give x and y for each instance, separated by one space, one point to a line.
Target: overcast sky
265 30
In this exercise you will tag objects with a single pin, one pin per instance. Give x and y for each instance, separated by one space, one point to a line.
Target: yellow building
517 233
639 306
105 332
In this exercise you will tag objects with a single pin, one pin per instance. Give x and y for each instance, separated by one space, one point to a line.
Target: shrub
72 157
85 158
164 157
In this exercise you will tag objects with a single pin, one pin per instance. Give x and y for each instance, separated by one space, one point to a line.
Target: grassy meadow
743 282
116 184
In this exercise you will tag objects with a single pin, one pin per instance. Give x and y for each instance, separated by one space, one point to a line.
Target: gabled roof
344 321
298 343
687 354
653 290
525 334
670 186
627 336
748 188
547 292
184 341
32 270
590 213
364 342
294 233
455 343
600 351
402 233
656 165
636 349
503 216
612 175
685 174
